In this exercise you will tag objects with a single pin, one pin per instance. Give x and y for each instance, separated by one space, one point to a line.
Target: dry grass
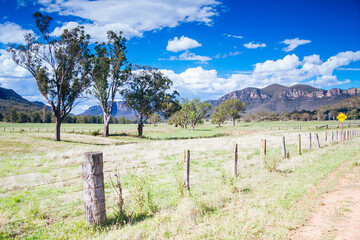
255 205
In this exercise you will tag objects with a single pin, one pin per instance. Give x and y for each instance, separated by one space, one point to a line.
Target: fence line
42 184
344 137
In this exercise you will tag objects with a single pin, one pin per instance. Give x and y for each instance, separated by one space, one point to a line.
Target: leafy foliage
194 111
232 108
109 71
59 66
219 116
146 93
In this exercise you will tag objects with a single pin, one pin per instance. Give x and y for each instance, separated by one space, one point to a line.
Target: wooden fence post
283 148
235 159
325 136
263 152
187 168
332 137
337 136
94 194
317 140
309 141
299 144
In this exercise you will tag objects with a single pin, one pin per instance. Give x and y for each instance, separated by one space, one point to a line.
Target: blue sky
207 47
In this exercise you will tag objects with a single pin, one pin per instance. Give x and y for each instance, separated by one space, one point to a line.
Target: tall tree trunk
193 127
233 120
140 127
57 129
106 125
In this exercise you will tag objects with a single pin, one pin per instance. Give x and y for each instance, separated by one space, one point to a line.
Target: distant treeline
44 116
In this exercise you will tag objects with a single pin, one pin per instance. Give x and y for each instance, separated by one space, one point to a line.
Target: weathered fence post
317 140
332 137
309 141
263 152
94 194
187 168
235 159
325 136
337 136
283 148
299 144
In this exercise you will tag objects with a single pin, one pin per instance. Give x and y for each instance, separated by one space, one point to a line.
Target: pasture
41 186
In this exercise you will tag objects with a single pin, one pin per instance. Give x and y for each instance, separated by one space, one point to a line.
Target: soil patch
338 217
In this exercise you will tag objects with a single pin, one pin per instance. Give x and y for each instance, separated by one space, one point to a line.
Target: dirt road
338 217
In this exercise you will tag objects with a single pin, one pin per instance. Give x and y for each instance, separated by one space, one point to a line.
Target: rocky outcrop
279 98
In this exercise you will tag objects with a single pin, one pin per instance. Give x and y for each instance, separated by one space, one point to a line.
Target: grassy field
41 184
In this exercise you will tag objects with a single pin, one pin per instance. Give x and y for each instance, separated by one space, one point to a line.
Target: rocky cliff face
279 98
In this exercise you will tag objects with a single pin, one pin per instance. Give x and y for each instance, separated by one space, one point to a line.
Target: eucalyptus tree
58 65
232 109
194 111
147 92
109 71
219 116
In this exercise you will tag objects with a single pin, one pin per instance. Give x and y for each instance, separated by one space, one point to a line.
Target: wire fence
206 168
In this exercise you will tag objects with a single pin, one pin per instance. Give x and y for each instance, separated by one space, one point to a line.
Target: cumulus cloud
327 81
12 33
287 71
15 77
182 43
253 45
294 43
134 17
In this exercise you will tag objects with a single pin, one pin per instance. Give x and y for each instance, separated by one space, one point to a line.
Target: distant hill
278 98
119 110
10 99
349 103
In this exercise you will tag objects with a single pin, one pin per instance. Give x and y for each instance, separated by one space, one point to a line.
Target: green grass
257 204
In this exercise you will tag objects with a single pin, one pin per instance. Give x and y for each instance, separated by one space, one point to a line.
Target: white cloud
134 17
188 56
288 71
230 54
12 33
99 32
184 43
327 81
233 36
294 43
15 77
349 69
253 45
289 62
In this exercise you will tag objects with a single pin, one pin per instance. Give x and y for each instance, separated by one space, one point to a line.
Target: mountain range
273 98
10 99
278 98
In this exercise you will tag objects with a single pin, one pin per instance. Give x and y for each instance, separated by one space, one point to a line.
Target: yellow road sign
341 117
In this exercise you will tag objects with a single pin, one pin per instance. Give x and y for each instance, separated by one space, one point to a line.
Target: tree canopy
194 111
232 108
109 70
147 92
58 65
